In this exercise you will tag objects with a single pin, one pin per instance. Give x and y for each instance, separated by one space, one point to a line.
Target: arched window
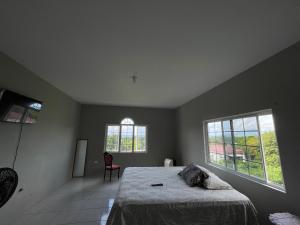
126 137
127 121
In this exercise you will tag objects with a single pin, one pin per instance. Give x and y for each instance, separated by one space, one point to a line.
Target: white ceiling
179 49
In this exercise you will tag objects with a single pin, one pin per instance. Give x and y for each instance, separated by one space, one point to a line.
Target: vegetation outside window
246 144
126 137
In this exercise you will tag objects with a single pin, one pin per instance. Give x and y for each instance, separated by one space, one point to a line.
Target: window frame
146 138
133 137
234 171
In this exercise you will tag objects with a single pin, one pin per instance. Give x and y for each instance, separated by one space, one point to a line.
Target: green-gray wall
161 135
46 151
272 84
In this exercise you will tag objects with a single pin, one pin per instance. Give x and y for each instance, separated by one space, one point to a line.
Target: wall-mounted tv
16 108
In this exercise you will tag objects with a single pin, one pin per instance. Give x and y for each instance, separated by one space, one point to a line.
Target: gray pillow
186 169
213 182
193 175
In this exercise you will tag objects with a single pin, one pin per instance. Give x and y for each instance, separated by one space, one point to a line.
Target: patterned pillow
193 175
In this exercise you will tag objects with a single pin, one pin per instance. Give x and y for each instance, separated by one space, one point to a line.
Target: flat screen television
16 108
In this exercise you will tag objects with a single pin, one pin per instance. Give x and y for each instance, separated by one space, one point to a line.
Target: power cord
17 149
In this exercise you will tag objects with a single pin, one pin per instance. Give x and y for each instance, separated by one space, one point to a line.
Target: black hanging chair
8 184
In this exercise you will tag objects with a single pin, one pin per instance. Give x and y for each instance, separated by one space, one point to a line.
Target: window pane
272 160
212 148
240 152
211 127
112 139
242 166
212 152
227 137
238 125
226 125
126 138
256 169
218 126
140 139
229 150
270 148
239 138
219 137
211 137
220 160
229 162
219 148
250 124
252 138
254 154
212 157
266 123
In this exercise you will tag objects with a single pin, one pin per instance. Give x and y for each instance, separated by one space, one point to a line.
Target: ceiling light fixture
134 77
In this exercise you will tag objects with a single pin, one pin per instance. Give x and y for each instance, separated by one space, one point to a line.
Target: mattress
175 203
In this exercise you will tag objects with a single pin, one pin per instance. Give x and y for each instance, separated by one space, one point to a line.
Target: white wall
272 84
46 151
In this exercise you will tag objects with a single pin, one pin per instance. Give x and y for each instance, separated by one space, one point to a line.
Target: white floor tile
82 201
37 219
80 216
101 222
65 205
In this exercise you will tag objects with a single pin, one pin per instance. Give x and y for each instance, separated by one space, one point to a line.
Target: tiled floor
82 201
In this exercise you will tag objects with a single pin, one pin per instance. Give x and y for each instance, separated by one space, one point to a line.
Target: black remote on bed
156 185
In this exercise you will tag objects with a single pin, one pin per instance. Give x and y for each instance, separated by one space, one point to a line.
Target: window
246 144
126 137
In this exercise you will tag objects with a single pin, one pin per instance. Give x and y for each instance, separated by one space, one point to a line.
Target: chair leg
104 173
118 173
110 175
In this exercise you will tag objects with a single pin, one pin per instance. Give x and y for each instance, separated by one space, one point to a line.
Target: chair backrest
108 158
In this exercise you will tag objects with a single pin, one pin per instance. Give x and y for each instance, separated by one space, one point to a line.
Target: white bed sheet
175 203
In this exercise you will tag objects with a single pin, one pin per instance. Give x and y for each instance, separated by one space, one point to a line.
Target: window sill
253 179
127 152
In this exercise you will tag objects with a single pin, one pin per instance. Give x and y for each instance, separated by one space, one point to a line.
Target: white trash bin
169 163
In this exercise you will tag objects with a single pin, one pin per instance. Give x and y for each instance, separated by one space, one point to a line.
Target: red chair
108 165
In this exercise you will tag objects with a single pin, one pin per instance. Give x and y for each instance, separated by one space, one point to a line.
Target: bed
175 203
